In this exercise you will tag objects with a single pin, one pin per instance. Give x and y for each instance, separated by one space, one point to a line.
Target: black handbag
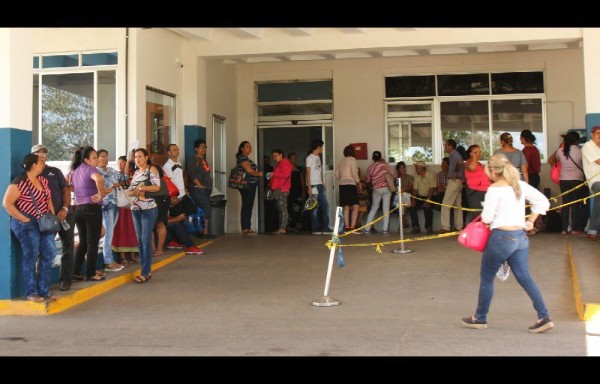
48 222
163 191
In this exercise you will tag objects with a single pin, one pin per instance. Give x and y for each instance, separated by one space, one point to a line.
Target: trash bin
216 221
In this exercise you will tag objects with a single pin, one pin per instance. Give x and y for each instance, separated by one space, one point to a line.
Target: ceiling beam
195 33
301 31
245 33
354 30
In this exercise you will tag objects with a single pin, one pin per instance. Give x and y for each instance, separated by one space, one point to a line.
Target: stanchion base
326 301
405 250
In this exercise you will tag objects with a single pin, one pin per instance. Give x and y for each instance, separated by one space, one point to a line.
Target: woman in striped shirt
376 175
24 224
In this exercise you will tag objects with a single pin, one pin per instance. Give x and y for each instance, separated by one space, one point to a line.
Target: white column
16 78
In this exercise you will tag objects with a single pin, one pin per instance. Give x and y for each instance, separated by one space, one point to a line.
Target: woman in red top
477 181
532 155
281 179
24 217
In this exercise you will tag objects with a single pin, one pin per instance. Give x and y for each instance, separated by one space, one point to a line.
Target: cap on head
39 147
420 164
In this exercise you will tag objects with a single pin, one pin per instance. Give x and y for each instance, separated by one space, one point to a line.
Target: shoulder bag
238 178
48 222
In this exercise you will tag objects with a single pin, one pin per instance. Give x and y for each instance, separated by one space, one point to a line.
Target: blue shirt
455 158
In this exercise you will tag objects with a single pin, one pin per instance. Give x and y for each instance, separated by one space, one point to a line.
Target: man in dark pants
61 199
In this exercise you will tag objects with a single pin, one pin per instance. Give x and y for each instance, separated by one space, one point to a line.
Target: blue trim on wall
191 134
591 120
17 144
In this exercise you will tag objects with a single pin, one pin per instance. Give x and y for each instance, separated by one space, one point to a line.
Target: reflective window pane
410 86
107 112
67 113
160 122
36 62
410 141
514 116
89 59
458 85
467 122
60 61
295 91
517 82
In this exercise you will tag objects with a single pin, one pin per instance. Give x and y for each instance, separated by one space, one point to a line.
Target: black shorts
348 195
162 203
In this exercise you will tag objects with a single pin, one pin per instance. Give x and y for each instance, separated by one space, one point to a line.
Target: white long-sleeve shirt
502 209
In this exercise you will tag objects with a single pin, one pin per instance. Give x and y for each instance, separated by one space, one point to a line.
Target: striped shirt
24 202
376 174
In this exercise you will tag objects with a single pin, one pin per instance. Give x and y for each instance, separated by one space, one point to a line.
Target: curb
29 308
585 311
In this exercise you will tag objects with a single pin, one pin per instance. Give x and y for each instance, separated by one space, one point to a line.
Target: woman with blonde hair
504 211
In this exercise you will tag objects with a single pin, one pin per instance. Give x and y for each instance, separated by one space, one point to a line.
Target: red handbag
555 172
475 235
171 187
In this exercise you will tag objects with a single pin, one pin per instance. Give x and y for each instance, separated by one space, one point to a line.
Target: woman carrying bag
19 203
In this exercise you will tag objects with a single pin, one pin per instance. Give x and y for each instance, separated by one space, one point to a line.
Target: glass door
219 155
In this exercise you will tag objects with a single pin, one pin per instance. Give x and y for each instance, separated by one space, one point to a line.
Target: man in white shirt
314 184
174 170
591 166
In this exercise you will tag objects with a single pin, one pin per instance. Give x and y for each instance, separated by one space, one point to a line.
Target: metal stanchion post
327 301
400 211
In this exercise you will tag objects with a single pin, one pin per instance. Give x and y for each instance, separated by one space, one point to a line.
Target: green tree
67 122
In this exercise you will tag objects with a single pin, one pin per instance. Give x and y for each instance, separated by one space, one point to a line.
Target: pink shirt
282 176
477 179
376 174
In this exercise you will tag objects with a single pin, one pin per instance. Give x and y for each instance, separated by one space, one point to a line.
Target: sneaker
193 251
113 267
174 245
327 231
317 233
65 285
541 325
470 322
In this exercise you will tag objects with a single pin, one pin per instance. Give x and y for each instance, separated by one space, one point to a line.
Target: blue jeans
511 246
32 244
177 231
323 207
110 215
248 196
595 215
144 221
201 197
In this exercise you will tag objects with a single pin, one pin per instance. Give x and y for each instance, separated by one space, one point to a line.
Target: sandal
96 278
134 259
140 279
50 297
35 298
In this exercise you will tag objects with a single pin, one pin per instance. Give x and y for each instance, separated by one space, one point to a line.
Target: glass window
107 112
517 82
160 122
67 110
89 59
514 116
467 122
294 91
458 85
410 131
410 86
60 61
36 62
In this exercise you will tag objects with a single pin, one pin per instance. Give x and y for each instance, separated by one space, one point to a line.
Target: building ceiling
256 45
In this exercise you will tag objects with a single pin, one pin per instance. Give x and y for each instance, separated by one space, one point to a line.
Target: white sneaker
317 233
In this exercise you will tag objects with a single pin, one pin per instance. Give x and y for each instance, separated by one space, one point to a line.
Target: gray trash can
216 221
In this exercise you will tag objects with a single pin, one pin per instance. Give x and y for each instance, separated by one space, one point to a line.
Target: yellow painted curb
29 308
585 311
